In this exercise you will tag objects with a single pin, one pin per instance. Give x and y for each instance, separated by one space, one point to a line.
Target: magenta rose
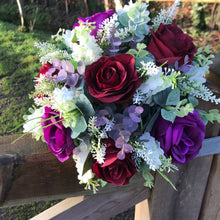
98 18
181 140
113 79
169 44
114 170
57 137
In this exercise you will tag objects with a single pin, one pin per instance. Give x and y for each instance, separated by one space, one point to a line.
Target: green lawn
19 63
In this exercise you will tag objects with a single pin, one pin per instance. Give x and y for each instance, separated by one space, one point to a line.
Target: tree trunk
118 4
21 12
67 6
86 7
106 5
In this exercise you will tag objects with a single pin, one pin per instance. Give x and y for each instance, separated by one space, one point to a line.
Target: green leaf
132 13
193 100
77 125
174 97
141 46
142 53
103 183
133 52
168 115
152 121
123 19
161 97
75 63
85 106
88 163
74 39
149 179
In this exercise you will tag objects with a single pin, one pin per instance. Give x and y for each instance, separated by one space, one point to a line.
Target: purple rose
57 137
98 18
181 140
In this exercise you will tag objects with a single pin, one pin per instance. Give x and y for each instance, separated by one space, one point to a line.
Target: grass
19 64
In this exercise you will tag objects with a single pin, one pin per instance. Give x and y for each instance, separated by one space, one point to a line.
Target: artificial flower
113 79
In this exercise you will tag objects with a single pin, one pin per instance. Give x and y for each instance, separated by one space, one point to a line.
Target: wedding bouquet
118 93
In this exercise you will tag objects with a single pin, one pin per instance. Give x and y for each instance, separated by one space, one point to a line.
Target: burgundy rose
57 137
169 44
44 68
114 170
113 79
183 139
98 18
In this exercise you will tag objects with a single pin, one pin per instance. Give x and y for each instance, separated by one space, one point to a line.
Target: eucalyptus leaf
132 52
123 19
193 100
161 97
142 53
168 115
173 97
78 126
145 59
85 106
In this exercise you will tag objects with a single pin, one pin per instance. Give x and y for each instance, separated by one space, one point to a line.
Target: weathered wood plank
58 208
105 205
211 204
142 211
185 203
6 169
210 146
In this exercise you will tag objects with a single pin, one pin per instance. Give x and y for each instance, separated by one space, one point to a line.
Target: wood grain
185 203
105 205
211 204
58 208
142 211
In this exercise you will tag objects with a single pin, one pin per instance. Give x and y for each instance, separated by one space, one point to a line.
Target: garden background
19 61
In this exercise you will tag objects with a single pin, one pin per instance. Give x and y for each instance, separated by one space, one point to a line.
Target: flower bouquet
118 93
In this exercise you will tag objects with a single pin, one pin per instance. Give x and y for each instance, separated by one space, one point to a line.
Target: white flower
151 152
61 98
80 159
33 123
155 83
86 48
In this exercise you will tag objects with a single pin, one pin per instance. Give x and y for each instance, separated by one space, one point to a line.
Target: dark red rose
169 43
182 139
113 79
44 68
114 170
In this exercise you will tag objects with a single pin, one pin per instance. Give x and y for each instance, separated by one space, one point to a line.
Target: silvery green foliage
134 18
166 16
